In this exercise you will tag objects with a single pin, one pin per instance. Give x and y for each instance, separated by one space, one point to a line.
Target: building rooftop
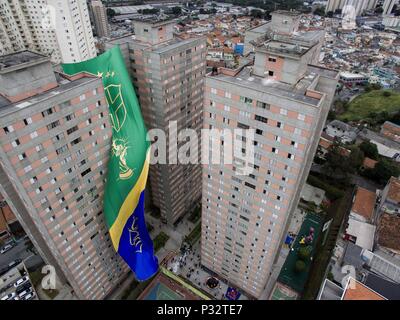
394 190
154 19
355 290
363 232
292 13
364 203
369 163
245 78
20 59
389 231
64 85
388 289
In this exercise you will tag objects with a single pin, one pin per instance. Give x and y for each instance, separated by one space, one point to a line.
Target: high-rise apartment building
359 5
388 6
100 21
285 98
168 75
54 147
60 29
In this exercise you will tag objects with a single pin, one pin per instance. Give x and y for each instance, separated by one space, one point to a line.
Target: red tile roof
364 203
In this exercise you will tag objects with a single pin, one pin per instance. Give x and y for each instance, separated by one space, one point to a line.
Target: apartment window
279 124
22 156
263 105
246 100
71 130
15 143
28 121
8 129
271 73
48 112
28 168
227 108
301 117
82 97
270 59
228 95
213 91
53 125
261 119
283 112
297 131
70 117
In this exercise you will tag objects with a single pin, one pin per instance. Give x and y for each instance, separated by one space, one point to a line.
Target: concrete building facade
388 6
59 29
285 99
55 142
168 76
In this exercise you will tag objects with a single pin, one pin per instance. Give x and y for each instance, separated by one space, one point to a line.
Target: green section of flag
129 145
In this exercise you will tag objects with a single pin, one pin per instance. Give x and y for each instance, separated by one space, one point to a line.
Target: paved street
19 252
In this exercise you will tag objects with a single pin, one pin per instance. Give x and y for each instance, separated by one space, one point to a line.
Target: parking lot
20 251
16 285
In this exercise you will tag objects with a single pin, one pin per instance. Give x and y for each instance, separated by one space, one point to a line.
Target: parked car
29 296
8 296
24 293
23 287
21 281
14 263
6 248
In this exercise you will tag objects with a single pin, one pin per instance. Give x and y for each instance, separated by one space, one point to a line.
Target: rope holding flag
128 165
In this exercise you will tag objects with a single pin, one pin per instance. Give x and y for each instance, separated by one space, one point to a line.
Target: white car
9 296
21 281
6 248
29 296
25 292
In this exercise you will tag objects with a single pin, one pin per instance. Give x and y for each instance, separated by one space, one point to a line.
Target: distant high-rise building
388 6
54 147
359 5
60 29
100 19
285 97
168 75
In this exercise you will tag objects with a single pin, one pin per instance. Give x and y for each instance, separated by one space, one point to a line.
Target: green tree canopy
300 266
370 150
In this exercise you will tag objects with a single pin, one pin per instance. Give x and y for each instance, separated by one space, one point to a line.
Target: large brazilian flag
128 165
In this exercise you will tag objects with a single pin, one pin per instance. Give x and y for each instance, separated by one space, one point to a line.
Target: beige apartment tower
101 25
168 75
285 97
59 29
55 141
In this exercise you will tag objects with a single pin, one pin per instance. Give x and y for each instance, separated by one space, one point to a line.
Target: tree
176 10
382 171
110 13
304 253
300 266
256 13
370 150
320 12
356 159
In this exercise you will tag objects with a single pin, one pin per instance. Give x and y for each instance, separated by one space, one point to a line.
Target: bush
160 240
332 192
304 253
370 150
300 266
386 93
